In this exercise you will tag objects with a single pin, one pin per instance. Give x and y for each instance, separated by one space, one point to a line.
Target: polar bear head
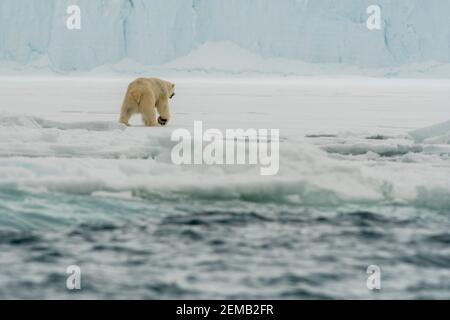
170 87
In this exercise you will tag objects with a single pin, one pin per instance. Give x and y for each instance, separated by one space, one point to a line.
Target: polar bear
147 96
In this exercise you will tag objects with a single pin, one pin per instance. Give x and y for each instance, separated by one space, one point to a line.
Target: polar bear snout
173 95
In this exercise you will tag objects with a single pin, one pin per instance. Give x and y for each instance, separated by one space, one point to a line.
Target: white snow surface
344 141
286 36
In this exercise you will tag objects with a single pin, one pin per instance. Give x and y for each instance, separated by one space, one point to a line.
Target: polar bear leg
125 116
149 116
164 112
148 110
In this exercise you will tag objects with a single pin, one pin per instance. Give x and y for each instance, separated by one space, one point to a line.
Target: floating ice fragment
437 130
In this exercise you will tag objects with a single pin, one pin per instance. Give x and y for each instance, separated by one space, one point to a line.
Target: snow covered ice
360 144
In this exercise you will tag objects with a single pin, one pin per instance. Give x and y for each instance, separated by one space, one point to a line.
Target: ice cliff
154 32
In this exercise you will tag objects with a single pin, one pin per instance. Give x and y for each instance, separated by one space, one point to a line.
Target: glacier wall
153 32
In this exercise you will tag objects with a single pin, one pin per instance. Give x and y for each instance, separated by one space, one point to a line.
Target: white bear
148 96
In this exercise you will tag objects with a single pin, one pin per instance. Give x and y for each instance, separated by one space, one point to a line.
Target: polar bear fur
148 96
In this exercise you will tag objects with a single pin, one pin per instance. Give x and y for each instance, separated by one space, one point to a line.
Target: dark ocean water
142 249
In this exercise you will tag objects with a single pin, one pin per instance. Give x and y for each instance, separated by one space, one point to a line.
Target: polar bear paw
162 121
